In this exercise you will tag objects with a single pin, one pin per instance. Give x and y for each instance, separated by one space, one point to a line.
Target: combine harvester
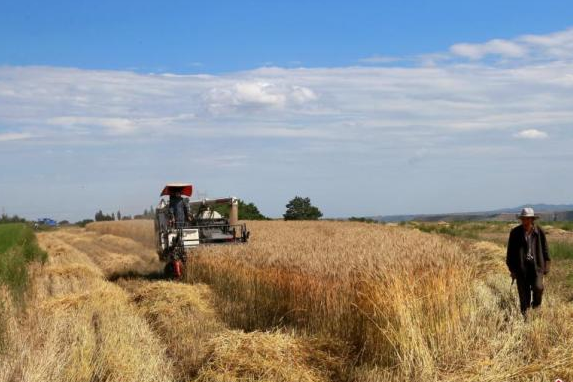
177 236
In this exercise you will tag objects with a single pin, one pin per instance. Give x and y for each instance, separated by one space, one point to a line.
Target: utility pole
201 195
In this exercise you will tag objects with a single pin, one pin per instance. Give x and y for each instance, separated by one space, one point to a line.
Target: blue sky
225 36
366 107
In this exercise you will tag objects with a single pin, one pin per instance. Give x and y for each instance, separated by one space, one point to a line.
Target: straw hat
527 212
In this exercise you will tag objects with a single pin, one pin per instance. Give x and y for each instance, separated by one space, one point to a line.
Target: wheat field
302 301
411 305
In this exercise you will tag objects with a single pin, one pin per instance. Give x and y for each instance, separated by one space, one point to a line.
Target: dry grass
79 327
409 305
268 357
182 316
93 336
138 230
204 349
8 323
115 256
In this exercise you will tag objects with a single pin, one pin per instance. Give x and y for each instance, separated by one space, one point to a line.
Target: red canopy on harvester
185 189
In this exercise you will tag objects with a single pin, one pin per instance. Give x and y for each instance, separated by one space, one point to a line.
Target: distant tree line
298 208
362 219
83 223
4 218
147 214
102 217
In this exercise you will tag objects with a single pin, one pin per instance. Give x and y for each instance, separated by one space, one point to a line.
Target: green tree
101 217
83 223
301 209
247 211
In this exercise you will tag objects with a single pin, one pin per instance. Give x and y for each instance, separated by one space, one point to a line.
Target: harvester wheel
174 270
168 270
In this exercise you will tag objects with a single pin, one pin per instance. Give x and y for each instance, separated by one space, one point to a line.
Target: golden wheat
411 305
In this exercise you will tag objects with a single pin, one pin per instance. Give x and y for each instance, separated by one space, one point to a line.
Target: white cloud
111 126
378 59
557 45
364 105
531 134
358 103
256 95
547 47
7 137
503 48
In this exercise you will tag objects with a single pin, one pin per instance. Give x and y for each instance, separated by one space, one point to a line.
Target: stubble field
303 301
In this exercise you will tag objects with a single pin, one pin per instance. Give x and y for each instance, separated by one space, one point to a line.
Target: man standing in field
528 259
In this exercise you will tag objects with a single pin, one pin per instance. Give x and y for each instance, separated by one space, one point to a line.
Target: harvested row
182 316
269 357
79 327
204 349
82 327
115 256
138 230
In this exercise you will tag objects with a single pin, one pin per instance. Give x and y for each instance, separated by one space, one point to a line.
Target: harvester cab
182 225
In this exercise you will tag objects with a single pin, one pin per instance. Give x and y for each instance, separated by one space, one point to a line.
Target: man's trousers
530 288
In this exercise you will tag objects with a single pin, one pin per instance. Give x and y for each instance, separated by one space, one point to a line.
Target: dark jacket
178 209
517 251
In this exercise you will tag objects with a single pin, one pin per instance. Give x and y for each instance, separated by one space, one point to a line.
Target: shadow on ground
134 275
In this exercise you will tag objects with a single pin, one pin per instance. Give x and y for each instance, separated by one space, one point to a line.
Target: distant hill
548 212
538 208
